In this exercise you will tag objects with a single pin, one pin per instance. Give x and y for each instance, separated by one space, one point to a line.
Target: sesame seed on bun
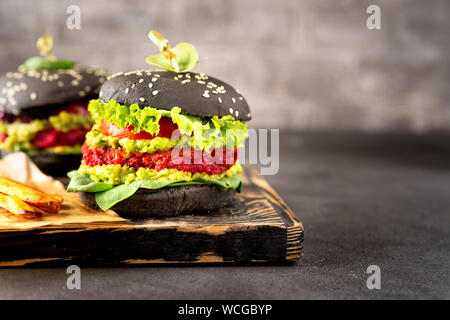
195 93
36 88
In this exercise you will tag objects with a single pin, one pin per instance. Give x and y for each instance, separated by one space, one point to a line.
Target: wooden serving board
258 227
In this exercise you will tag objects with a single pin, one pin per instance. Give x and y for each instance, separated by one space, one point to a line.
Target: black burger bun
37 88
168 201
56 165
195 93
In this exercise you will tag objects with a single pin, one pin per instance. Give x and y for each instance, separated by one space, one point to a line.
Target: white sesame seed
233 99
141 99
154 79
81 93
33 96
248 115
185 81
9 84
201 82
236 113
240 98
141 80
132 86
157 75
127 90
75 82
155 92
150 85
60 84
219 99
231 110
221 89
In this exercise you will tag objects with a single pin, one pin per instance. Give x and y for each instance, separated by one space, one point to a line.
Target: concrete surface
364 200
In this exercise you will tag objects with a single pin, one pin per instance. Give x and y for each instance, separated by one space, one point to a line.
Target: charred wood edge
245 244
294 235
282 217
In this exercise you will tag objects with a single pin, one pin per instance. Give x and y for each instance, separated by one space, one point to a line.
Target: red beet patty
185 160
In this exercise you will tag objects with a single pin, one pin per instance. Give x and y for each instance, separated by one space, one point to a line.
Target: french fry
50 203
56 204
52 207
55 196
18 207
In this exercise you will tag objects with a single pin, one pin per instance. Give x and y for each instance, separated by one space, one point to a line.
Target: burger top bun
195 93
35 88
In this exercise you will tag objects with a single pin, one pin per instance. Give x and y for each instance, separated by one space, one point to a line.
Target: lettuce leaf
200 133
107 195
106 199
81 182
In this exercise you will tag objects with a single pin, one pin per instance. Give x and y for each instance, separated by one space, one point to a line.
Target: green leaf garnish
186 57
180 59
40 63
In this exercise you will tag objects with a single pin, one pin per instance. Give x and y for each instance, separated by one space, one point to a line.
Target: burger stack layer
159 130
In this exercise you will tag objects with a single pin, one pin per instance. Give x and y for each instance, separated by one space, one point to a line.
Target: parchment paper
18 166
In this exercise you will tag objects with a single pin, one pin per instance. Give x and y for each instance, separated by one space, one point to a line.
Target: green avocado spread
20 134
96 139
66 121
116 174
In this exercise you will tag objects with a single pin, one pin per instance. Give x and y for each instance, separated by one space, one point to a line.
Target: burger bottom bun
169 201
56 165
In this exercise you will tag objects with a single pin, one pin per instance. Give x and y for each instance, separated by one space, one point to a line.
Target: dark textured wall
310 65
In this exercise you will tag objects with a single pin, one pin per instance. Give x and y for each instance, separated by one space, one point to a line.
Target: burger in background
43 109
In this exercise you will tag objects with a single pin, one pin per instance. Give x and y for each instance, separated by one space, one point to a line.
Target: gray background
307 65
